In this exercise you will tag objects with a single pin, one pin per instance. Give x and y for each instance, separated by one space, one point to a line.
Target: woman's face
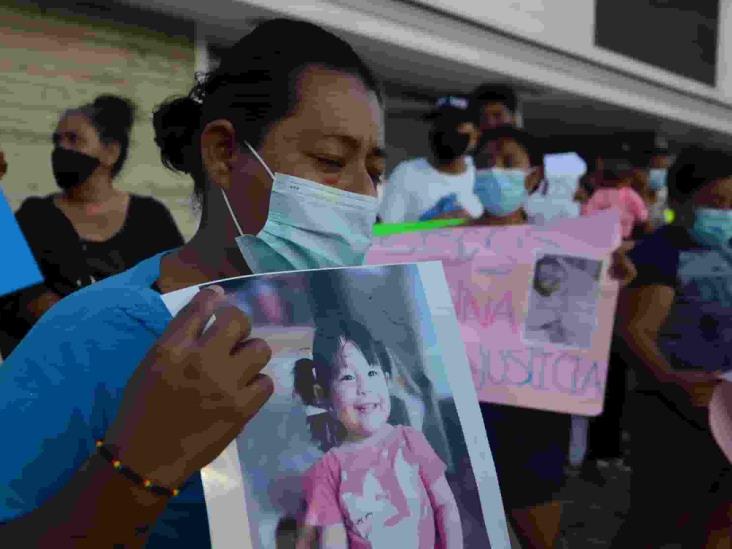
360 394
335 137
716 195
74 132
493 115
508 154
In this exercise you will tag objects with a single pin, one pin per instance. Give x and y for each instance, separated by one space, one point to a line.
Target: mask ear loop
226 198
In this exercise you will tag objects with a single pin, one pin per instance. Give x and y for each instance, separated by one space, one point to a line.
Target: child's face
360 394
550 277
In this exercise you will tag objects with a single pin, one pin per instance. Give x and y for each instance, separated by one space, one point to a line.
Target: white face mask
309 226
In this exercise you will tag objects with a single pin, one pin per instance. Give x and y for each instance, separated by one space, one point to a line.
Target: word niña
469 309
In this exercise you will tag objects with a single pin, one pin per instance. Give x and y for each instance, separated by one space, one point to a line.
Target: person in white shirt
555 198
417 185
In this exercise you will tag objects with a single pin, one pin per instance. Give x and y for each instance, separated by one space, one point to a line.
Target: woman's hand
192 394
698 386
38 306
622 269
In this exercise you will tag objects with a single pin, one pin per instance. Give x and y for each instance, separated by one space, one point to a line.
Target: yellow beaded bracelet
132 475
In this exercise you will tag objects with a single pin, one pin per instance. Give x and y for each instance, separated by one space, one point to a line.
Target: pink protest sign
535 305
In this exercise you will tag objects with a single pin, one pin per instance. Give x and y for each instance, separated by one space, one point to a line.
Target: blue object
21 269
501 191
713 228
61 388
446 204
657 179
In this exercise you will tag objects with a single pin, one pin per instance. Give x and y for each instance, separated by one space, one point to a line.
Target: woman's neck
97 189
212 254
198 262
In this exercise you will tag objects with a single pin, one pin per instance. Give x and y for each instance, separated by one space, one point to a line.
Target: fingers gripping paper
374 428
535 305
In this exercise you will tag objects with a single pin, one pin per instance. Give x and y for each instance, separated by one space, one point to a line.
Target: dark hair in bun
175 125
530 144
253 87
112 117
694 168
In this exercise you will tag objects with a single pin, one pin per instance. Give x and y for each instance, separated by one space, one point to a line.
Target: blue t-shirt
61 388
698 331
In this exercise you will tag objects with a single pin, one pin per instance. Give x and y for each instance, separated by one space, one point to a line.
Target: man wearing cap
440 185
494 105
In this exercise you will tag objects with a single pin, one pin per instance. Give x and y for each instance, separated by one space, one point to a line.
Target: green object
669 215
388 229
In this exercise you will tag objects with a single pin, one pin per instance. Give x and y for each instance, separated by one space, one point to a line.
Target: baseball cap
452 106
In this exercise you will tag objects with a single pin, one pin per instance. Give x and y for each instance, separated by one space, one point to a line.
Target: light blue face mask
657 179
713 228
501 191
309 226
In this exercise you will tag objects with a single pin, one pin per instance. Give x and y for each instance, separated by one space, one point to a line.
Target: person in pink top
615 191
380 485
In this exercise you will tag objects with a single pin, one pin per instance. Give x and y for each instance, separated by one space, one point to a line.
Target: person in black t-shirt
675 323
89 230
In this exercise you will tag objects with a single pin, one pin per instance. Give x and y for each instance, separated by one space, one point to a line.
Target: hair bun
119 110
175 123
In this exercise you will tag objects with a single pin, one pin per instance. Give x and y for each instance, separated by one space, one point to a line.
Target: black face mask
71 168
448 145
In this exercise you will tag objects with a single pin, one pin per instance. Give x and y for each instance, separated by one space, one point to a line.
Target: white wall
569 26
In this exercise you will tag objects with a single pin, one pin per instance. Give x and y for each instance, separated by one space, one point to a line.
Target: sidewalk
593 513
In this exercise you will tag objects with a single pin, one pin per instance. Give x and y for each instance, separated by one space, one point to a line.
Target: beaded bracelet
131 475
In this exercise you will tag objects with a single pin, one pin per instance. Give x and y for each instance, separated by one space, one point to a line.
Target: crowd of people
284 143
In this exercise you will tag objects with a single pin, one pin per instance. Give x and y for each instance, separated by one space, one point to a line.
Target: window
679 36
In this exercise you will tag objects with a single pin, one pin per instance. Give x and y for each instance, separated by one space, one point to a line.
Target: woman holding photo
284 142
308 108
530 467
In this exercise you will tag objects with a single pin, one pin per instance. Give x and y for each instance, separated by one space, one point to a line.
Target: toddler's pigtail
325 430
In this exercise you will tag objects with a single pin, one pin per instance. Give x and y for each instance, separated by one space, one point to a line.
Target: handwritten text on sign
535 305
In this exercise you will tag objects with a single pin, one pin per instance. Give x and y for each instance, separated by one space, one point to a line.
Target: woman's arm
35 307
188 399
97 508
641 313
447 515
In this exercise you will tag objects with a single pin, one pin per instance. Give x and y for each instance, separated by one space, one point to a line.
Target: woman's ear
218 151
110 154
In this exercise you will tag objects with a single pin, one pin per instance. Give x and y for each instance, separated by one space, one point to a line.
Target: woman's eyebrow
353 143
